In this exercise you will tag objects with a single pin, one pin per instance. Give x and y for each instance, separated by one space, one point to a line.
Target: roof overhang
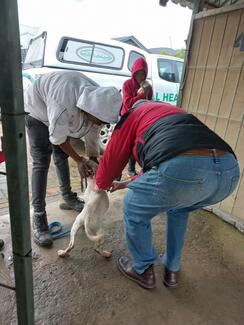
207 4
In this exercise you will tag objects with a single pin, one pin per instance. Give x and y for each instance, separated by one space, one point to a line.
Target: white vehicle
108 63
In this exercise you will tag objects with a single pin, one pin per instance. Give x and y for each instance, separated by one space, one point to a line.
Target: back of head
102 102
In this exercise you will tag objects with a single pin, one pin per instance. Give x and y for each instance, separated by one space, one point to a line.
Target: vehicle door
166 79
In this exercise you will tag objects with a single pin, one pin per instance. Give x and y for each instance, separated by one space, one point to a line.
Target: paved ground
86 289
52 188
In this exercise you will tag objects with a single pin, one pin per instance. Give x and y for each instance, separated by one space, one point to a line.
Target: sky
151 24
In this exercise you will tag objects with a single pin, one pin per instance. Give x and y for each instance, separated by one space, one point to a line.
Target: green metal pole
197 7
14 143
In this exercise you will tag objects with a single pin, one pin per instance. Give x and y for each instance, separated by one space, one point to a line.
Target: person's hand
118 185
93 163
94 159
84 167
88 168
140 91
146 91
144 88
145 84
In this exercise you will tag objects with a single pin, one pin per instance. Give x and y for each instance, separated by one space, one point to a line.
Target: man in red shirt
134 89
186 166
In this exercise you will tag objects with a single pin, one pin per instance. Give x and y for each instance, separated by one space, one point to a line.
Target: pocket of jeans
190 176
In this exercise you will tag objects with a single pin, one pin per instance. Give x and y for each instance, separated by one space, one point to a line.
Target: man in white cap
63 105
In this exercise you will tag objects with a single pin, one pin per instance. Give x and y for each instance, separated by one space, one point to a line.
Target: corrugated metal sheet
208 3
213 88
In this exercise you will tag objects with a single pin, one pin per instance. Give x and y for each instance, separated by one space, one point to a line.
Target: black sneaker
72 202
42 235
1 244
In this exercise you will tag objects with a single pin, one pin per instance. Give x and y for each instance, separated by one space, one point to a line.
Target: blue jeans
177 187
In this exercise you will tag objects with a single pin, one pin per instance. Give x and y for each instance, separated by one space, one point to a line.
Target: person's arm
59 118
116 155
119 185
92 142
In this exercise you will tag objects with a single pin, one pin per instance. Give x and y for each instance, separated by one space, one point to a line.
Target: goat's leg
63 252
103 253
79 222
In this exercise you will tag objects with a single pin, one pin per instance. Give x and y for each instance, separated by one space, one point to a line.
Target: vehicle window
179 68
35 53
88 53
166 70
132 58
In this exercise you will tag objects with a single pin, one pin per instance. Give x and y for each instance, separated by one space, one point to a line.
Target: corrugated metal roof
208 3
132 40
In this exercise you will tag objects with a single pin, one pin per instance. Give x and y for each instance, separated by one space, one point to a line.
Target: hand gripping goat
96 205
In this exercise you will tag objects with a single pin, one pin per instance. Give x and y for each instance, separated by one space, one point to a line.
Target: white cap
102 102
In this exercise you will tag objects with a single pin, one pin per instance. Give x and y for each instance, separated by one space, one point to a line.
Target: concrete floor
86 289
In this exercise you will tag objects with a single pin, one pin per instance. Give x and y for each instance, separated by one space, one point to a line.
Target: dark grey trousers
132 164
41 150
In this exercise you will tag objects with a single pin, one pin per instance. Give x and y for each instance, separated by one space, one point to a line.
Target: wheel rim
105 135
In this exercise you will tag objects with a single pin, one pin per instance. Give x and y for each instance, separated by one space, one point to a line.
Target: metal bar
14 145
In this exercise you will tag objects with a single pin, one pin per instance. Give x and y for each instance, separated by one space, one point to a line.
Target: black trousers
41 150
132 164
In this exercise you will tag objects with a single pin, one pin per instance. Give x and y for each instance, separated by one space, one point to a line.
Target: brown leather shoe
146 280
170 278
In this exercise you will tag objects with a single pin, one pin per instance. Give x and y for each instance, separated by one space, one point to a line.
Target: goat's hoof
62 253
105 254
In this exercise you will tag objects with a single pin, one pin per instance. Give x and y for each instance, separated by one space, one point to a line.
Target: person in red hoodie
134 89
186 166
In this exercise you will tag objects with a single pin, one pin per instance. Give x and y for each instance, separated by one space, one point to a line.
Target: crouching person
63 105
186 166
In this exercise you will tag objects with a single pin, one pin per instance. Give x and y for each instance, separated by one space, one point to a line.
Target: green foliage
179 54
164 52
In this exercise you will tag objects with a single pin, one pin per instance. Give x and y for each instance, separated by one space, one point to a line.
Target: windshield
35 53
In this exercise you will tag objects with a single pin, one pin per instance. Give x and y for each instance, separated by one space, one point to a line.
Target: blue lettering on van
166 97
99 55
156 97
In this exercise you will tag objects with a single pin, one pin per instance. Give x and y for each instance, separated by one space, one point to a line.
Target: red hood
140 64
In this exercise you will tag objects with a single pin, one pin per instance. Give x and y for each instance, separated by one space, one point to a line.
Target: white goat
96 205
